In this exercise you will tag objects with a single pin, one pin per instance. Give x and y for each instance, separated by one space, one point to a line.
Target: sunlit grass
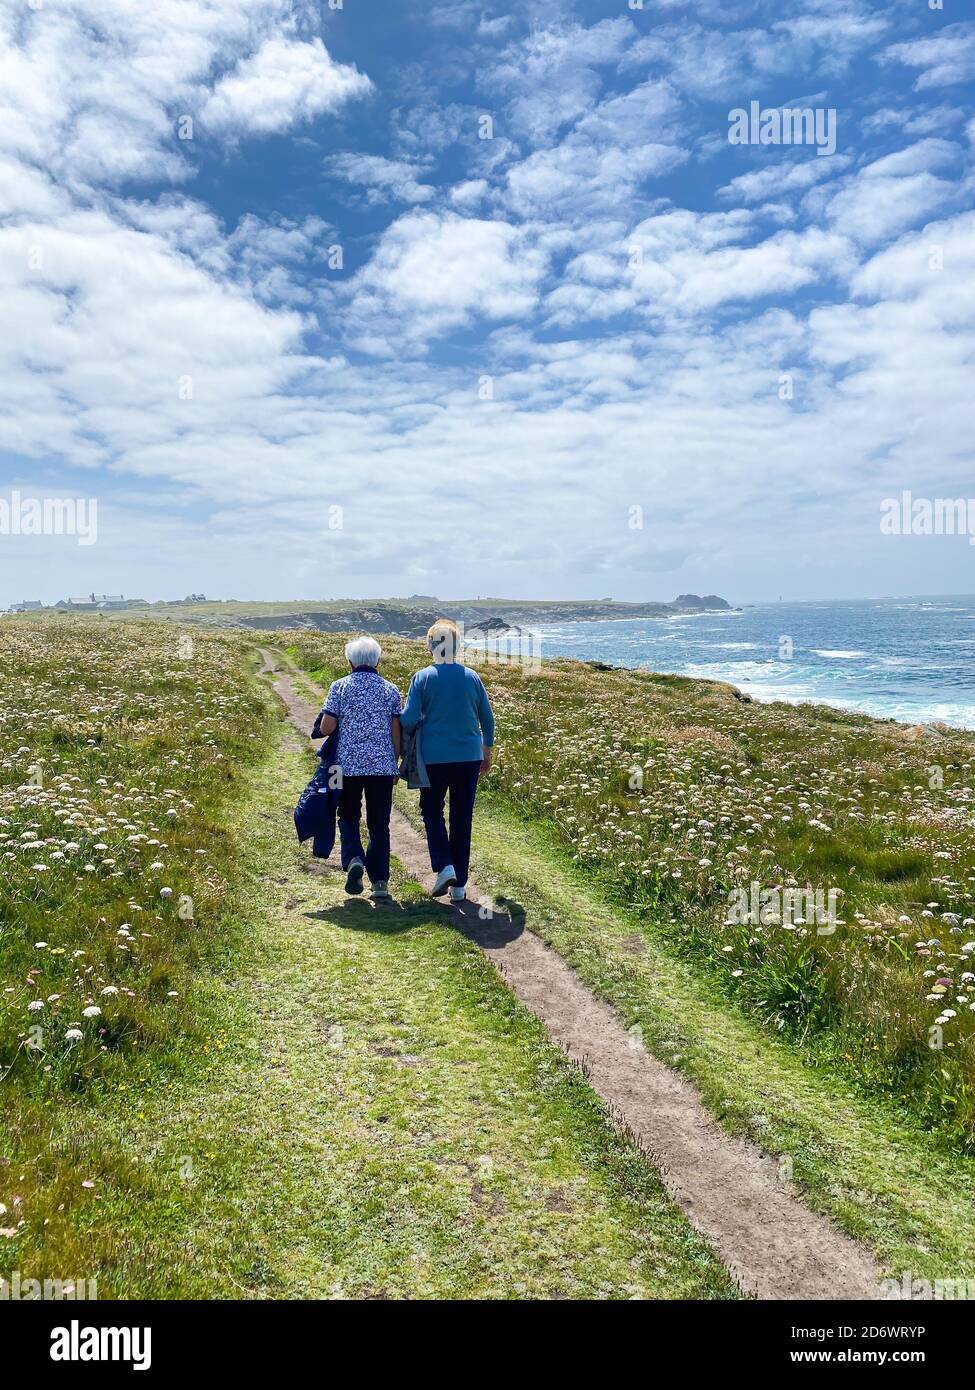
292 1094
120 748
671 792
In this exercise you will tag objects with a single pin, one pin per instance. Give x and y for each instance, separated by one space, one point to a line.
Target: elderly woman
366 710
450 707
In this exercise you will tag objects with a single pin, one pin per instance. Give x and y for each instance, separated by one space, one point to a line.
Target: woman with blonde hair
448 705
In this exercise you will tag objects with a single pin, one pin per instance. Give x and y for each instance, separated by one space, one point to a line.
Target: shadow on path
393 917
388 918
505 923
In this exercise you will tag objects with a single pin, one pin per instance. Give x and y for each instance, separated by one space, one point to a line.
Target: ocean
909 659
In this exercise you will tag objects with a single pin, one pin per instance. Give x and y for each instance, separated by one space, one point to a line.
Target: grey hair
363 651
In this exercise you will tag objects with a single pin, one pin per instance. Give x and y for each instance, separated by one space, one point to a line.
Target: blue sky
261 275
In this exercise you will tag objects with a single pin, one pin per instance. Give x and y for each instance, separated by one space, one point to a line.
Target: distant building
29 605
82 605
93 603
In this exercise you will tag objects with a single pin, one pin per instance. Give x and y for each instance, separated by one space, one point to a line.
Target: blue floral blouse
364 704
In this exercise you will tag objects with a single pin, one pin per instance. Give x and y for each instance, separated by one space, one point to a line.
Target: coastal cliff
410 617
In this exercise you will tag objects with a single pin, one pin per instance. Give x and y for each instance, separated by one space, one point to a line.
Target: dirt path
774 1246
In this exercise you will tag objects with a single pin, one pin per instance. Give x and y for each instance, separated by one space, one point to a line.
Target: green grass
857 1148
673 794
855 1155
353 1106
345 1100
118 756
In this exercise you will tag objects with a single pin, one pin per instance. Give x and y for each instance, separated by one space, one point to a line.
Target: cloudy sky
419 297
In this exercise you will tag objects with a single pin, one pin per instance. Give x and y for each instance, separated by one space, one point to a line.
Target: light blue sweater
455 711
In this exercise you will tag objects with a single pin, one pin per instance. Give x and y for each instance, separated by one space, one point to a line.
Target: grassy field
221 1078
118 751
671 794
285 1094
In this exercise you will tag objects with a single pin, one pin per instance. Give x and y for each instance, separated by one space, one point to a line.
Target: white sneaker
444 880
457 895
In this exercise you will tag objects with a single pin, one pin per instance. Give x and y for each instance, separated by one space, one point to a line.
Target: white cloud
937 264
933 120
428 128
120 322
675 405
74 77
91 90
437 271
552 78
893 193
468 194
871 210
913 159
284 83
681 263
717 62
617 147
27 191
944 59
710 62
903 349
495 27
780 179
577 176
384 179
685 264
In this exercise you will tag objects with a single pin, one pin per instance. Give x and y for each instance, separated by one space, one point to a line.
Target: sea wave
914 667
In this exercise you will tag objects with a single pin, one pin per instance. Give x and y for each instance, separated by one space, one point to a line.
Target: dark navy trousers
453 845
379 802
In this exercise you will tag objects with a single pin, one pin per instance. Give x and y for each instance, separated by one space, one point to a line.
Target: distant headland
403 617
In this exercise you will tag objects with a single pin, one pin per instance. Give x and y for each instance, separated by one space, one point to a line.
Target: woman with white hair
449 706
366 709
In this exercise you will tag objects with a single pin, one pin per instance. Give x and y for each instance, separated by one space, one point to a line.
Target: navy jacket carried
319 803
412 768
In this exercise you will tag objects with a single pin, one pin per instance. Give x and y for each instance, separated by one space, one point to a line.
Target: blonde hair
443 639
